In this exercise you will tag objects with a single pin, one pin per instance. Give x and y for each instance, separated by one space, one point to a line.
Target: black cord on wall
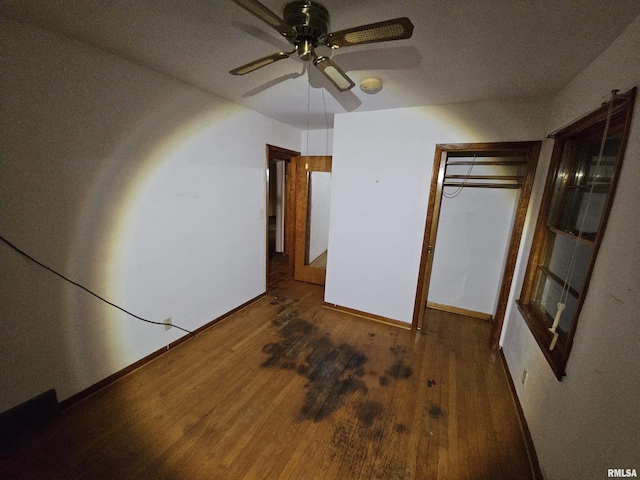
21 252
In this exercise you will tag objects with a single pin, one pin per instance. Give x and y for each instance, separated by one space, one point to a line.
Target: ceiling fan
305 24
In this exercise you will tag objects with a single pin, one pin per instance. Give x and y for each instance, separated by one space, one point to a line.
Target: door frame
303 166
433 217
285 155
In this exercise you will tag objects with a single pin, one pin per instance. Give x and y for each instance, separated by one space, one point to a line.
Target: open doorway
279 210
501 173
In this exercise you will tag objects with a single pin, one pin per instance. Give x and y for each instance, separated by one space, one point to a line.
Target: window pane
602 174
582 184
548 295
579 192
560 251
582 211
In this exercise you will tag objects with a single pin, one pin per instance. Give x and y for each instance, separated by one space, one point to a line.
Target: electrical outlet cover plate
167 323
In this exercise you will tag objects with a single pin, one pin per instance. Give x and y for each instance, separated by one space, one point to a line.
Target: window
584 169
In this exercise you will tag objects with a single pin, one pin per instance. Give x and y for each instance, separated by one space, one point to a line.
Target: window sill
557 357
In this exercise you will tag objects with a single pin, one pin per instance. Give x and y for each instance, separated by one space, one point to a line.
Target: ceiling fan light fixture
305 50
334 73
306 27
371 85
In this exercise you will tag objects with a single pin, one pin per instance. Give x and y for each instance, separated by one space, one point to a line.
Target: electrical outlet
167 323
525 376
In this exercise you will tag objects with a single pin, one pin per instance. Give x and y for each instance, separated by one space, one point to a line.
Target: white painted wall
317 142
319 215
382 164
143 189
471 248
590 421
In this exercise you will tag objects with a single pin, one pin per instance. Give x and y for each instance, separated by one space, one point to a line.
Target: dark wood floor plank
287 389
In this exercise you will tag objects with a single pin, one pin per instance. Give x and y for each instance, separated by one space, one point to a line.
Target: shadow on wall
142 227
118 178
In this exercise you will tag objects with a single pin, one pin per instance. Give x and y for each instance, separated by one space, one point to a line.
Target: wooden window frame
620 108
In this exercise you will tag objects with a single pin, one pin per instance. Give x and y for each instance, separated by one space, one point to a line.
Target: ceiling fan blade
266 15
334 73
395 29
261 62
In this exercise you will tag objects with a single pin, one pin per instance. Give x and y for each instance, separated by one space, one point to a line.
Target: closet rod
482 185
485 177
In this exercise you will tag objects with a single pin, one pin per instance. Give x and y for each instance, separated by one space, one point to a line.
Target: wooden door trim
302 271
433 214
514 246
279 153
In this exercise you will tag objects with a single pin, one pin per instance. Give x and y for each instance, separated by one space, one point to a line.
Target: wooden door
313 189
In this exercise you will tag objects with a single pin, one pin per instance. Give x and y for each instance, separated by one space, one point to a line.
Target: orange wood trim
72 400
534 465
433 213
430 230
367 316
460 311
540 234
514 245
279 153
266 213
290 216
487 147
303 165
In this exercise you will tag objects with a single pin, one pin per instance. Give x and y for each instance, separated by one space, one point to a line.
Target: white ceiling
461 51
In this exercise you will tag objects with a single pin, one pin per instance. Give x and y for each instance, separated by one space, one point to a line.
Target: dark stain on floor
368 411
400 428
333 371
435 412
399 370
398 350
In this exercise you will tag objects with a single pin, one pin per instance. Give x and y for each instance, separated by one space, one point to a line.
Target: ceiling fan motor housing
310 23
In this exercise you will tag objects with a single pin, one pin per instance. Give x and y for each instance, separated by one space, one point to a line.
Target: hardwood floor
286 389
